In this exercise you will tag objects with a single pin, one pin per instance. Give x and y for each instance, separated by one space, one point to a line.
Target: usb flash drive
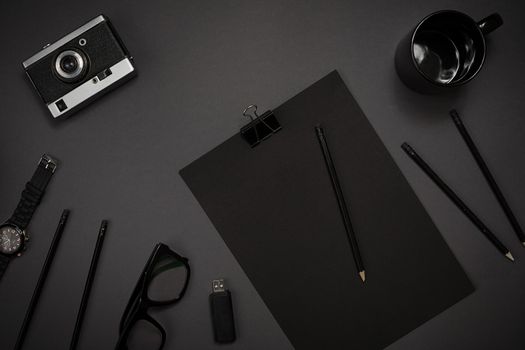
222 313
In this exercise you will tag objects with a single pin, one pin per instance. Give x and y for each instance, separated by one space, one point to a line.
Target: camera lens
70 65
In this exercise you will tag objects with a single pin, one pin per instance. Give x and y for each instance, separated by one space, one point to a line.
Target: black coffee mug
445 50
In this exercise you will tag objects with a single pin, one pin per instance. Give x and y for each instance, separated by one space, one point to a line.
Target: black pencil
89 283
488 176
456 200
41 279
343 208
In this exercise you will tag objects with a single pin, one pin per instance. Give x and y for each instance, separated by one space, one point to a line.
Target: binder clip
260 127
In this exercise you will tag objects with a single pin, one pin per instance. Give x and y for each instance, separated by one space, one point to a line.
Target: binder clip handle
260 127
248 115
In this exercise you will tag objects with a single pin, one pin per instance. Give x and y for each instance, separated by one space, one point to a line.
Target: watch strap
4 261
33 192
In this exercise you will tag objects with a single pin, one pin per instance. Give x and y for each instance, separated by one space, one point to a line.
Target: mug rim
425 19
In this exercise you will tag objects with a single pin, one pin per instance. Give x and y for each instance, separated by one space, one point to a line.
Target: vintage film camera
84 64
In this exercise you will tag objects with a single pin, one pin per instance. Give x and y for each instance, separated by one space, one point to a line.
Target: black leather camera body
79 67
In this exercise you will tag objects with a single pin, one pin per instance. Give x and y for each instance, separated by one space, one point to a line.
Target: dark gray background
200 64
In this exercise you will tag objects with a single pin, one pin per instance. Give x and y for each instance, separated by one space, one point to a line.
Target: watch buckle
48 162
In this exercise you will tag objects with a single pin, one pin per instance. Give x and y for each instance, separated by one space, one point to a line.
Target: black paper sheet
275 208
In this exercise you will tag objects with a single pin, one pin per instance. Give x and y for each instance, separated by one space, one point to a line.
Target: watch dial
10 239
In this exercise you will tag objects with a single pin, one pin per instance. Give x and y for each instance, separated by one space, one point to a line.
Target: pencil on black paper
343 208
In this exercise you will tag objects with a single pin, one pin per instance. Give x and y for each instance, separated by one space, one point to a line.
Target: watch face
11 239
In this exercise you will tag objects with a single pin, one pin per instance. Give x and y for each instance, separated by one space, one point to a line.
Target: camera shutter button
46 46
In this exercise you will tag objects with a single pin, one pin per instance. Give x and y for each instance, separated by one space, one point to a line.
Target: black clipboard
274 207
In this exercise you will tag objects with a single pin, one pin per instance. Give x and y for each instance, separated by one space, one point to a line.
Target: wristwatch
12 233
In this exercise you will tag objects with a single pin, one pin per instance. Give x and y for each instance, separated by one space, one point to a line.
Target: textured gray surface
199 64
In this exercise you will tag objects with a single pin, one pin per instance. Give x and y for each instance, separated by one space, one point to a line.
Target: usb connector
218 285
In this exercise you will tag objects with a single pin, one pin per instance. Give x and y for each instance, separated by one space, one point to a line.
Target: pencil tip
509 256
362 275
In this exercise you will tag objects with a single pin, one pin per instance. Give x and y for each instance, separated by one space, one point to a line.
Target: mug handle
490 23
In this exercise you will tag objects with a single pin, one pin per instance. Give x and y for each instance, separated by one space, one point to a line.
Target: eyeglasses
162 282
